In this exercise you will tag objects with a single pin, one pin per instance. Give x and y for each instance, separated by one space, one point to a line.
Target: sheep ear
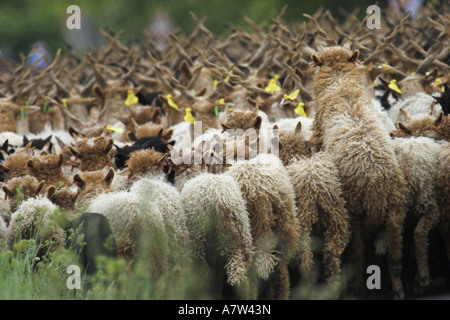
258 121
75 152
439 119
51 192
400 126
225 127
131 136
5 145
404 114
157 115
168 135
74 133
109 176
7 191
317 61
108 146
201 93
354 56
60 160
30 164
298 128
163 158
309 145
78 181
4 168
39 187
159 135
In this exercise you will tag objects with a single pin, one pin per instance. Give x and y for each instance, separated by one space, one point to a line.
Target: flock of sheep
360 176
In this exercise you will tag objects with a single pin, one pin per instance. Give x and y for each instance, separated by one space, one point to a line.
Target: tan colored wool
144 163
30 188
94 153
443 194
91 184
373 184
48 169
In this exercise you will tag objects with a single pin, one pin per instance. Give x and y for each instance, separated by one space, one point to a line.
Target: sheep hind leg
421 232
394 229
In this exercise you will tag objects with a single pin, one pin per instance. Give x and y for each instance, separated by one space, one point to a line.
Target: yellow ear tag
215 83
272 87
118 130
389 70
222 101
292 96
64 102
437 82
170 102
300 111
393 86
375 83
131 98
189 117
228 77
231 109
412 73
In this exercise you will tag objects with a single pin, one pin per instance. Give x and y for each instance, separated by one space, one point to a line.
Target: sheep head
291 144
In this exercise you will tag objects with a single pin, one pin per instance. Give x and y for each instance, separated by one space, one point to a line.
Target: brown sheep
48 168
373 184
90 185
27 186
94 153
318 192
145 163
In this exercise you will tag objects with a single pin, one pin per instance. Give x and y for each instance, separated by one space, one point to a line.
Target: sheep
15 165
442 127
373 184
418 104
32 220
143 163
443 193
94 153
419 125
219 228
319 197
9 112
19 189
418 158
63 197
90 185
149 225
270 199
48 168
96 236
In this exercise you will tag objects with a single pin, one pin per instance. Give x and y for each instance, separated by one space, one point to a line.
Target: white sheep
418 158
219 227
417 104
32 220
147 221
270 198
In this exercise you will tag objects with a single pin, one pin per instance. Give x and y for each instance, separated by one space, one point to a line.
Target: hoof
399 295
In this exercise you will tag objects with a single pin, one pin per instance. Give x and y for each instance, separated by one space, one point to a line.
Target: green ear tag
216 111
27 104
22 114
45 107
